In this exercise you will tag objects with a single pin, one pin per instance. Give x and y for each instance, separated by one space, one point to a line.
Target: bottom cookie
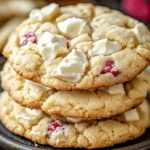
70 132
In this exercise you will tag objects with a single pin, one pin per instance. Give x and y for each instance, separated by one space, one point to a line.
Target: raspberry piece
115 73
24 42
109 66
53 126
34 41
108 69
68 44
29 37
29 34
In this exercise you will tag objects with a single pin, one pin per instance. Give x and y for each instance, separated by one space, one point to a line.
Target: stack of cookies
76 77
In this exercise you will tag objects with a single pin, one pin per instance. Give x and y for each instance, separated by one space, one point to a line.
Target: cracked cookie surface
104 48
81 104
54 131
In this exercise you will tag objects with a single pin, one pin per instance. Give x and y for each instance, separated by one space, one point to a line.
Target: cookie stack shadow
74 116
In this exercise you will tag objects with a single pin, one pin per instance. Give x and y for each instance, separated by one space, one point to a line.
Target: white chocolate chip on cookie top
141 33
34 112
23 118
105 47
45 13
73 27
132 115
50 45
72 67
29 117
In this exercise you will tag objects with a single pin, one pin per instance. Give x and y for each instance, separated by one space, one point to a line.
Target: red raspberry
53 126
34 41
108 69
24 42
115 73
29 34
109 66
68 44
29 37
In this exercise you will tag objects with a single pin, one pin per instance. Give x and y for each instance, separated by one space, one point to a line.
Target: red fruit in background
139 9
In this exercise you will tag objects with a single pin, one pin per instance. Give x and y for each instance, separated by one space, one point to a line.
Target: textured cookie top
79 47
55 131
84 104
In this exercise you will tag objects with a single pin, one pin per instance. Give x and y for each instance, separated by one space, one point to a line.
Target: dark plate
9 141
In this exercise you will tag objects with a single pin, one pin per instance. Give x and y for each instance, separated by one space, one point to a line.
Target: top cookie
79 47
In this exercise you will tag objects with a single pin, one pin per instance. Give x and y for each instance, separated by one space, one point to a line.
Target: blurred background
13 12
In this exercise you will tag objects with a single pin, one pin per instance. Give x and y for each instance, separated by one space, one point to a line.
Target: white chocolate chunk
26 120
29 117
132 115
73 27
25 117
46 13
34 112
104 47
116 89
36 14
51 45
141 33
72 67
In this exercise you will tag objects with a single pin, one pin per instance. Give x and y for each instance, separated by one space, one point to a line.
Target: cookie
81 104
55 131
80 47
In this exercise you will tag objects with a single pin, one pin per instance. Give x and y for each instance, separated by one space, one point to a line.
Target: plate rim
16 145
